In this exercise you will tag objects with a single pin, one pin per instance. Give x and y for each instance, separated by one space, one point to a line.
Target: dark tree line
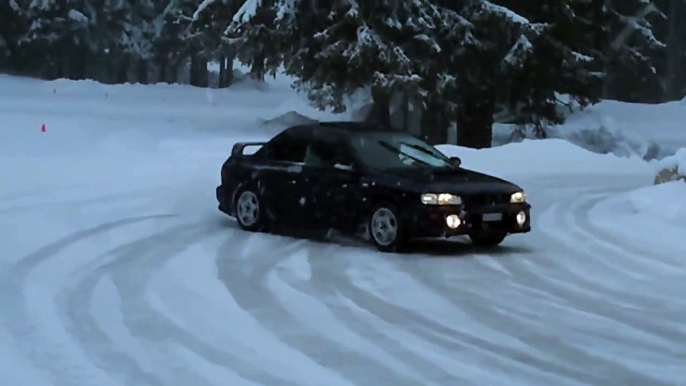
453 63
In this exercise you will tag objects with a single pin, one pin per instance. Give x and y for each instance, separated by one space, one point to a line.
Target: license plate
492 217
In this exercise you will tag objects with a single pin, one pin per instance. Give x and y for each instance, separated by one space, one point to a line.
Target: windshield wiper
395 149
427 152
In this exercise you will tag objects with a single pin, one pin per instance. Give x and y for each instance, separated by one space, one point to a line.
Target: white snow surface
117 268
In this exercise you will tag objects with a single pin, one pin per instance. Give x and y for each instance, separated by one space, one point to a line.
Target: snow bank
290 118
677 161
553 156
666 202
672 168
622 129
654 216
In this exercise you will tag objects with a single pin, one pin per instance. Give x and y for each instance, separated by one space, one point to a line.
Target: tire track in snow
607 289
130 273
668 269
505 312
525 272
324 286
48 199
84 328
624 245
249 286
15 319
450 335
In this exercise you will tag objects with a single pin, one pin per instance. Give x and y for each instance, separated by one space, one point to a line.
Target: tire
249 210
385 218
487 238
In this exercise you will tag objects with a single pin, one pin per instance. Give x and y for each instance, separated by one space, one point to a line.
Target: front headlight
518 198
441 199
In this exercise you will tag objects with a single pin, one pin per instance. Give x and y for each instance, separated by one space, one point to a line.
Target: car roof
346 127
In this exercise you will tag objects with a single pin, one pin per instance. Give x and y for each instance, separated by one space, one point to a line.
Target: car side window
323 153
289 146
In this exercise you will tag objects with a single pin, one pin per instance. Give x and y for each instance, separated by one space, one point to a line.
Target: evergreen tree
210 22
12 25
633 51
388 46
257 37
58 38
498 40
559 53
170 49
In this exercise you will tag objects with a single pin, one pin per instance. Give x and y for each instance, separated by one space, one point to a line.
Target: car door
280 178
333 184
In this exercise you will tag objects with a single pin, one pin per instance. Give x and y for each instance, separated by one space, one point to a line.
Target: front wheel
249 211
487 238
386 229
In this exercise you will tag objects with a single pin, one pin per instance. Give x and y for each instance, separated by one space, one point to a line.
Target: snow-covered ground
117 269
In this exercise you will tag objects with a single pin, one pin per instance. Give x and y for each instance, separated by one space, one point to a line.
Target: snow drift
671 168
552 156
619 128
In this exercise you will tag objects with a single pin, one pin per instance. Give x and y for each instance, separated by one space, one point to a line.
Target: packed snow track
119 270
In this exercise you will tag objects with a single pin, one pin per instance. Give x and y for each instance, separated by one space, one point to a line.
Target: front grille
478 200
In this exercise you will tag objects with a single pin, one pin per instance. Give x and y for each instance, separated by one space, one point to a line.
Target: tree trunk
435 124
675 51
162 72
123 70
225 72
475 122
173 72
77 63
142 74
228 71
222 72
380 113
199 76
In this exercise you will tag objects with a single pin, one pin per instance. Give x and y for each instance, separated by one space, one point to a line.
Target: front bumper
430 221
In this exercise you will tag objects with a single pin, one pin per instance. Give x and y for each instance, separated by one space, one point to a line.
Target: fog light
521 218
453 221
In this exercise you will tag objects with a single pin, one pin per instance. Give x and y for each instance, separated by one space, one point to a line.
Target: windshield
398 151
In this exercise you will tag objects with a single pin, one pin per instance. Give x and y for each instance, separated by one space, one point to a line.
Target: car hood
460 180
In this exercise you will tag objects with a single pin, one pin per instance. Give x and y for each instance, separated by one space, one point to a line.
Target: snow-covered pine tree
344 47
559 55
257 38
173 42
12 26
138 38
170 49
496 35
58 38
210 21
389 46
633 52
438 55
125 33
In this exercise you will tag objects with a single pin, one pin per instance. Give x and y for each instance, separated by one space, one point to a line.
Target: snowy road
174 299
117 269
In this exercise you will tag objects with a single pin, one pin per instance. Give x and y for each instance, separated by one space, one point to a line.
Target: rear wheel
386 229
249 211
487 238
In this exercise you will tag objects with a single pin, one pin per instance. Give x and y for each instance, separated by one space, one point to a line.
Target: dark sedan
366 180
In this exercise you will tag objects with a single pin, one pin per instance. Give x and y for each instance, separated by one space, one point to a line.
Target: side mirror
456 161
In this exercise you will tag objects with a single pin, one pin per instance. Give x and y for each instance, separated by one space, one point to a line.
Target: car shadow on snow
457 247
462 248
